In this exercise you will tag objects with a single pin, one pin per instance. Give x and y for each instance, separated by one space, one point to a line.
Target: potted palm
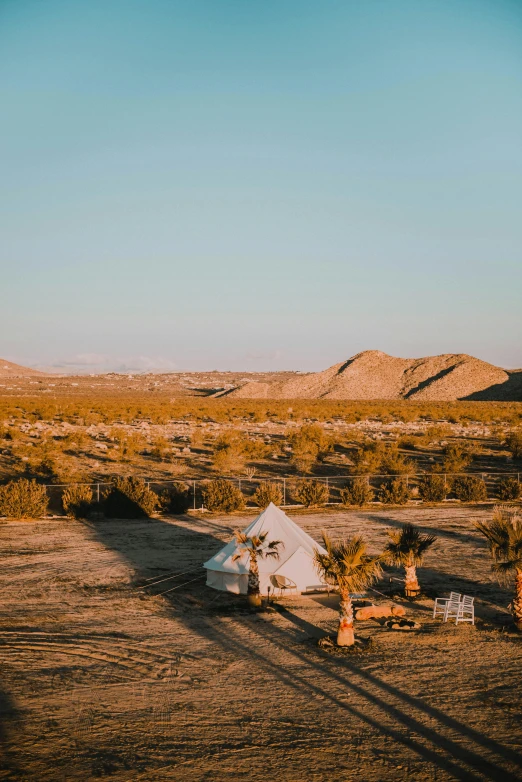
406 549
504 537
257 548
346 566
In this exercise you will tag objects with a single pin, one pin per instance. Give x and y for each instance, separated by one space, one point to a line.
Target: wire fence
290 487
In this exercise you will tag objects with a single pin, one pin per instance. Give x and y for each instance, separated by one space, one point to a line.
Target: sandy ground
99 678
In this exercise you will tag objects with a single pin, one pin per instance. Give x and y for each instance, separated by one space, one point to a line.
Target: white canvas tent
295 560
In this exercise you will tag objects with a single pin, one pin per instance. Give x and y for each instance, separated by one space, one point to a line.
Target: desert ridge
8 369
376 375
370 375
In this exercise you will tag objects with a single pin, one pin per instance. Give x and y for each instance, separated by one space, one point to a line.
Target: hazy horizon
94 365
191 186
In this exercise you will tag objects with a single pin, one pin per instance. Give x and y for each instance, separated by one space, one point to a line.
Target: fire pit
402 624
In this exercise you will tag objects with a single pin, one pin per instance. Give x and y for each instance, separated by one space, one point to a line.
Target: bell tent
295 557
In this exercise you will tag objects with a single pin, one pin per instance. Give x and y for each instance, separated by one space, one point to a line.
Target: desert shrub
175 499
197 438
222 495
130 443
312 494
229 451
268 492
357 492
509 489
514 443
161 448
76 441
378 458
23 499
310 443
77 501
470 488
411 441
394 492
392 463
456 458
433 488
256 449
367 459
130 498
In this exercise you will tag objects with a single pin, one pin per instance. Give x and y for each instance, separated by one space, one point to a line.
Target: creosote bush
77 501
175 499
130 498
268 492
357 492
311 494
222 495
509 489
514 443
456 458
310 443
433 488
394 492
470 488
23 499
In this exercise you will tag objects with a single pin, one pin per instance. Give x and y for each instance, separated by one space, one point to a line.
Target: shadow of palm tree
429 733
10 719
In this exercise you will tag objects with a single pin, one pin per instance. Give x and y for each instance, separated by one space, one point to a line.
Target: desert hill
376 375
8 369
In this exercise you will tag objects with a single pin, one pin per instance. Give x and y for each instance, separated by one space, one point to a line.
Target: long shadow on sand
9 723
429 733
464 537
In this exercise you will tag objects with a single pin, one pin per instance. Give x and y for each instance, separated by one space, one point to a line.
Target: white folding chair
466 611
461 610
441 602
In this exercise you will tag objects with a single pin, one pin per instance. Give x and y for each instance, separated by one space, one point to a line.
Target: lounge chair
283 583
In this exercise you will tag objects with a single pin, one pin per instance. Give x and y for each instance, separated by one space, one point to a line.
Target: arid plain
106 674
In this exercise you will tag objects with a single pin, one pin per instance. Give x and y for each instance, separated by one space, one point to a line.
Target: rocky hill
376 375
8 369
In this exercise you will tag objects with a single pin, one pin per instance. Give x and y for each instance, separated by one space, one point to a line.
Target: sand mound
375 375
8 369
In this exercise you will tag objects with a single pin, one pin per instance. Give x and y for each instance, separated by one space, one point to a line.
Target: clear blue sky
243 184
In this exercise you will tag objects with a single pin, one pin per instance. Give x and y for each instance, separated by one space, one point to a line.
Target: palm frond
346 564
255 545
504 538
407 546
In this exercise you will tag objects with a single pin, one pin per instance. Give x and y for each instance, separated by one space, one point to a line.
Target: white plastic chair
461 610
441 602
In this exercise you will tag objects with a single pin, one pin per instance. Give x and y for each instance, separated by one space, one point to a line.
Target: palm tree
504 536
406 549
346 566
257 548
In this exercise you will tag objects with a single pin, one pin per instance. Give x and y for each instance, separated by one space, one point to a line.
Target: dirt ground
101 678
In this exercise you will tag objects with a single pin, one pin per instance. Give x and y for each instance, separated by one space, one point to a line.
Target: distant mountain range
368 375
376 375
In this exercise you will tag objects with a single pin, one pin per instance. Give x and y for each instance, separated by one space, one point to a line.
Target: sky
259 185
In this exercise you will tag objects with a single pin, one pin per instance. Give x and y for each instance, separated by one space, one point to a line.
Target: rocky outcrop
376 375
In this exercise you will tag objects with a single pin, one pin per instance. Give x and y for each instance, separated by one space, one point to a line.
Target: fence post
194 484
284 491
98 492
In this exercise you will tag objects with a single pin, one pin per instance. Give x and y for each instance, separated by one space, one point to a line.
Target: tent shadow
428 732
